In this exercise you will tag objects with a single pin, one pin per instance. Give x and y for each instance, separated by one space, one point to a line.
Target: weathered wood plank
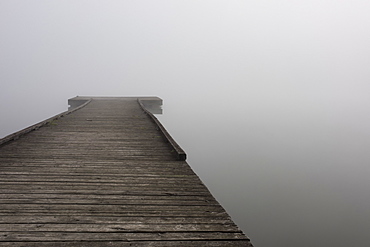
98 192
109 207
123 227
129 178
117 213
22 198
165 197
77 219
99 201
99 186
118 236
72 162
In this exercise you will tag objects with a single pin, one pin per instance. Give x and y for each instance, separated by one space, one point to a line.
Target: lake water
289 175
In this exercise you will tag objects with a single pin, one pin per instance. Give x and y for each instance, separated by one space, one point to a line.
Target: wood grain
104 175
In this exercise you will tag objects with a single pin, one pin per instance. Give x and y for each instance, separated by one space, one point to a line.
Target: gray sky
273 84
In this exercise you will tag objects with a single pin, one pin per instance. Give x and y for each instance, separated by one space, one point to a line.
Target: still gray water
288 176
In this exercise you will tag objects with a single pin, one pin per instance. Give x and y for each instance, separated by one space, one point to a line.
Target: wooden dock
105 174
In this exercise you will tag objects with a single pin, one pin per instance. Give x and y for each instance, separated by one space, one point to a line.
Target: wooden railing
36 126
180 153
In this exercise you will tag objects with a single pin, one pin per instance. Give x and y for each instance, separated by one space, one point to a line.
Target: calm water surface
288 176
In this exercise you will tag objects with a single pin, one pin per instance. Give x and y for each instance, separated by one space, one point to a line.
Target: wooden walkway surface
105 176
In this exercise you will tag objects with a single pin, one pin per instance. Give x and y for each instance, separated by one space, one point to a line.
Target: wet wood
105 175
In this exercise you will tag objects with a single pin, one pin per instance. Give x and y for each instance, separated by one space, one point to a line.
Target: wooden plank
109 212
101 213
165 197
109 207
127 178
76 187
99 191
78 219
114 227
99 201
118 236
95 163
99 186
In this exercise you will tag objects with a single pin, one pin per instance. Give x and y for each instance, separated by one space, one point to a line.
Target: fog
270 99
